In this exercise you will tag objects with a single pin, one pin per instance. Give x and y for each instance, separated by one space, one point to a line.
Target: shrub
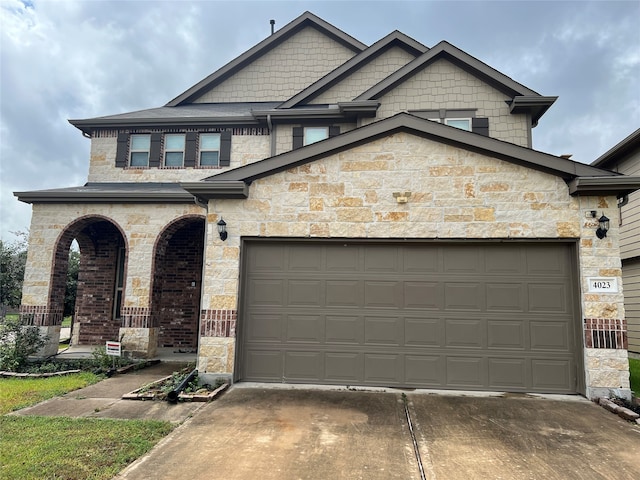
17 342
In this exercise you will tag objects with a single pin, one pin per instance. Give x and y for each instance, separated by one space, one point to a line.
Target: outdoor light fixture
603 224
222 229
603 227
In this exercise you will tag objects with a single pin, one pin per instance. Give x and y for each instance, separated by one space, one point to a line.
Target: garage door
470 316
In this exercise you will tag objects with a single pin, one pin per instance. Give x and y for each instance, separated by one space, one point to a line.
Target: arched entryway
101 277
177 281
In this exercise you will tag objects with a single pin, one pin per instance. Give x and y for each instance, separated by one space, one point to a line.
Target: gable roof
307 19
394 39
232 183
626 146
472 65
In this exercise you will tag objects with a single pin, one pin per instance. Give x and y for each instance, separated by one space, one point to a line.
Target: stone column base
216 355
52 332
139 342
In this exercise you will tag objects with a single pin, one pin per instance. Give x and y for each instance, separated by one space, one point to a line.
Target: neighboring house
387 223
625 158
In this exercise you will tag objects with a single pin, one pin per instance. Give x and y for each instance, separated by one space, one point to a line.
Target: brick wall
177 283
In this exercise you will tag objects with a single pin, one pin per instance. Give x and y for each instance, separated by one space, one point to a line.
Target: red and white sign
114 349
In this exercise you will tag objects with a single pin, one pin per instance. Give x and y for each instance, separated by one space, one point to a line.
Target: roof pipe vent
273 25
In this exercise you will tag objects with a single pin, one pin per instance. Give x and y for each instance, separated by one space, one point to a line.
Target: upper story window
464 119
139 150
209 149
315 134
174 150
461 123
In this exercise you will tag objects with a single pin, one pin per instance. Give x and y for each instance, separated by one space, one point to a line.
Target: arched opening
100 284
177 282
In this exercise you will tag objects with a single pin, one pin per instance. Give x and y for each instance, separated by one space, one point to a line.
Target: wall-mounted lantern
222 229
603 225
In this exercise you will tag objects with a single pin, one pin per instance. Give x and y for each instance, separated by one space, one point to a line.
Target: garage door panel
341 258
466 372
305 293
302 366
424 332
549 335
267 292
505 297
548 297
463 296
423 295
383 330
304 259
383 369
507 373
464 333
305 328
382 294
425 370
264 365
506 334
344 367
492 316
551 375
344 329
343 293
264 328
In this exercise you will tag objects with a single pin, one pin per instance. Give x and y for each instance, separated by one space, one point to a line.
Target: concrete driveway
276 433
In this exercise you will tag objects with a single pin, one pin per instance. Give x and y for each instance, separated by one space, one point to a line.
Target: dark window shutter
480 125
298 137
122 150
225 148
191 142
334 131
154 150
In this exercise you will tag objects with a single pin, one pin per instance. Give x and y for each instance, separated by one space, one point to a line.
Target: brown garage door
493 316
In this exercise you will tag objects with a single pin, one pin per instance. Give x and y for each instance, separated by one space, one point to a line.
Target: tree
13 257
72 282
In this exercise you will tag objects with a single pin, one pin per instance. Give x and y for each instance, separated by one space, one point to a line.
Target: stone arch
177 282
101 275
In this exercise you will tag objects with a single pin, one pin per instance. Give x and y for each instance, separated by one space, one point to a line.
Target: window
139 150
461 123
174 150
209 149
315 134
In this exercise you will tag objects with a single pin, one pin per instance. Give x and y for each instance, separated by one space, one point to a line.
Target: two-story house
625 158
323 211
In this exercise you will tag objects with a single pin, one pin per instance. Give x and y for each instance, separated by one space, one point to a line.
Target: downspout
272 134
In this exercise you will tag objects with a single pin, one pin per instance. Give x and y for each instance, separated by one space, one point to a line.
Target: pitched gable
278 67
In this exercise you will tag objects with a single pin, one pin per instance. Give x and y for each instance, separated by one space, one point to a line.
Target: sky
62 60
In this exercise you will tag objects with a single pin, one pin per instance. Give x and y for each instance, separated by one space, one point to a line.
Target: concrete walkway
286 434
103 400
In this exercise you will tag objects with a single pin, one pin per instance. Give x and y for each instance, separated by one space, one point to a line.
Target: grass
73 449
17 393
634 370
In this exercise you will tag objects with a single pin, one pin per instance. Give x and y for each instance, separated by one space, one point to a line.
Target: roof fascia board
213 189
395 38
611 185
535 105
88 125
269 43
52 196
620 150
558 166
456 56
339 112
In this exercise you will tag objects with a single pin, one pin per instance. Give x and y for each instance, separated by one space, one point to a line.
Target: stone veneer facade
454 194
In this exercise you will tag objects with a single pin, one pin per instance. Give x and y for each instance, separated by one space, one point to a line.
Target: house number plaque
603 285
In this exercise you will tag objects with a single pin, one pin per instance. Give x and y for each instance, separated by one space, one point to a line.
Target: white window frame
168 150
454 119
133 150
202 150
306 140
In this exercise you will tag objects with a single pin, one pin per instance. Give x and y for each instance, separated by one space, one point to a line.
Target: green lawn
73 448
16 393
634 369
33 448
